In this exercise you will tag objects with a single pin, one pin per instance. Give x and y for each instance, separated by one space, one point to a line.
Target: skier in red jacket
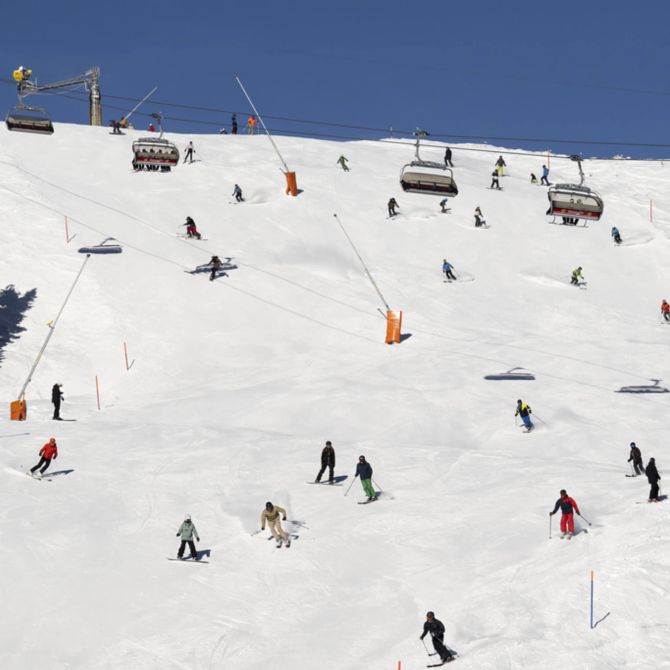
567 505
47 452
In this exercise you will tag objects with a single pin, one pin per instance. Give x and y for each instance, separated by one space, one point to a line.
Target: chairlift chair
575 201
155 151
29 120
427 177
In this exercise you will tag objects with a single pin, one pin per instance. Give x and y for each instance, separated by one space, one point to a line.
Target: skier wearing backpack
187 532
342 161
577 276
616 236
568 506
327 461
271 515
653 478
447 268
392 204
636 457
364 471
436 629
524 411
237 192
48 452
665 310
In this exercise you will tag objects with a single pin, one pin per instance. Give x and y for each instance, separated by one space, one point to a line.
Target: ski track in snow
237 383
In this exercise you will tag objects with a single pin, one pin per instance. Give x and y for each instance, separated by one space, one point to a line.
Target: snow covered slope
236 384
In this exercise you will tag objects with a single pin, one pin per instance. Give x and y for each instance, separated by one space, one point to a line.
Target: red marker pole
97 390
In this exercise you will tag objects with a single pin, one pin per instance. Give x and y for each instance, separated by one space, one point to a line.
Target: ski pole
426 648
550 526
350 485
587 521
631 469
538 418
381 490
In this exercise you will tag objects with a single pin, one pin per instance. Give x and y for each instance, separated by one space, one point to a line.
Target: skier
494 180
327 461
56 398
533 178
233 124
116 127
447 158
251 125
216 266
524 411
665 310
271 515
577 276
191 230
616 235
443 204
636 457
545 176
500 164
479 218
447 268
47 452
653 478
392 204
343 163
187 532
567 505
152 128
436 629
364 470
237 192
189 153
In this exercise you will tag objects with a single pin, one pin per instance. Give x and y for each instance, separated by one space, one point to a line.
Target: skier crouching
436 629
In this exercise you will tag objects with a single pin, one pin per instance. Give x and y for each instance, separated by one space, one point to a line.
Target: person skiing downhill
191 230
215 264
524 411
443 205
189 153
392 204
567 505
479 218
342 161
271 515
665 310
364 471
616 236
494 180
237 192
500 164
187 532
447 269
436 629
653 478
577 276
636 457
48 452
545 176
56 398
327 461
447 158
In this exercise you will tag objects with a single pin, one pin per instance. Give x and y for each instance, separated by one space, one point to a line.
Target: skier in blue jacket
545 176
447 269
364 471
616 235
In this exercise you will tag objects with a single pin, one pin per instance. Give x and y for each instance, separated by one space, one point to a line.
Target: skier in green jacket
187 532
577 276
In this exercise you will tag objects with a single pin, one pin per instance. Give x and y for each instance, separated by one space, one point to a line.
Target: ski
337 481
186 560
38 478
367 502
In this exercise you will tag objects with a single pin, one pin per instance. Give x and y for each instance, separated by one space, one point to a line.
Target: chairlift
515 374
103 248
29 120
155 152
427 177
574 201
645 388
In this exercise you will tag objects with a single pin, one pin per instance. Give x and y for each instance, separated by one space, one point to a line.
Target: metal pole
550 526
144 99
52 327
591 615
260 118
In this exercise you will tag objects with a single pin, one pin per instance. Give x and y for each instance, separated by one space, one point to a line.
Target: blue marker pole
591 600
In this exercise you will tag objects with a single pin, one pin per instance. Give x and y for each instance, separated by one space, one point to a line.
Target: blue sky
578 71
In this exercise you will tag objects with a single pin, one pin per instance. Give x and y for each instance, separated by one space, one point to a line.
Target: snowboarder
191 230
524 411
636 457
577 276
215 264
364 471
567 505
665 310
233 125
327 461
436 629
653 478
189 153
271 514
343 163
494 180
392 204
237 192
545 176
500 164
187 532
47 452
616 235
533 178
443 204
116 127
447 268
251 125
479 218
447 158
56 399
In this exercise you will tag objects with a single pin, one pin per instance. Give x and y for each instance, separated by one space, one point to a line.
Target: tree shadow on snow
13 307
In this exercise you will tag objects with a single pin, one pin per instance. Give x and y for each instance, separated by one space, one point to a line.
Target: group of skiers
635 458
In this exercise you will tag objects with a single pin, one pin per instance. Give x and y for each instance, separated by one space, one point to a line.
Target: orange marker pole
97 390
125 352
548 159
399 665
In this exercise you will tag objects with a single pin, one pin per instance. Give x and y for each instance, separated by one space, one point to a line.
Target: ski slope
236 384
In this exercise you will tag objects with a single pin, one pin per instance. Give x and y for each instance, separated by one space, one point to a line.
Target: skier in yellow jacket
271 515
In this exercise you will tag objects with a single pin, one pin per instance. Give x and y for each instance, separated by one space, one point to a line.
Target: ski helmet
430 615
632 444
268 505
328 443
361 458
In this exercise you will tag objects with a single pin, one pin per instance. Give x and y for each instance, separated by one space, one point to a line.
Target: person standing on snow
343 163
391 205
665 310
479 218
500 164
56 398
545 176
251 125
271 515
653 478
189 153
447 158
364 471
327 461
191 230
187 532
616 235
215 264
494 180
447 268
233 125
436 629
567 505
443 204
47 452
524 411
237 192
577 276
636 457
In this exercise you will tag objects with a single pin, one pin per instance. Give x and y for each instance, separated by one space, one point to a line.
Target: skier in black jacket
447 158
436 629
56 398
636 457
327 461
653 478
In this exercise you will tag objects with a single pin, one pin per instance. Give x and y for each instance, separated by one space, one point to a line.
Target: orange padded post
18 410
291 183
393 326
